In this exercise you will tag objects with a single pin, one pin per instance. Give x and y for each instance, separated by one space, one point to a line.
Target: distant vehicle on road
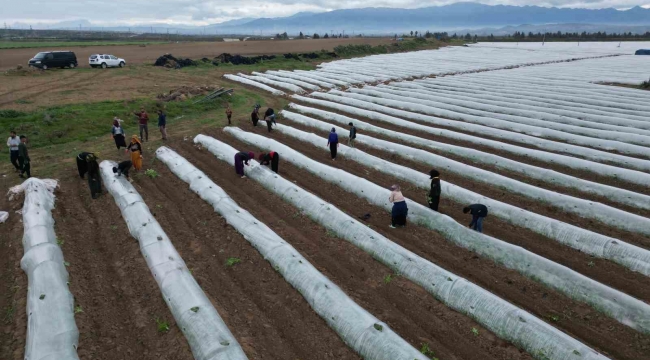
104 60
642 52
54 59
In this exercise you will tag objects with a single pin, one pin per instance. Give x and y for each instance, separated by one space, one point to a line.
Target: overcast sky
203 12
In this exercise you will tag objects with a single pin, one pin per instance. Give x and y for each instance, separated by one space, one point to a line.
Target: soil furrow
577 319
269 318
409 310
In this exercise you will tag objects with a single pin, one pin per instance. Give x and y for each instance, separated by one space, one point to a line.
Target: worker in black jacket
353 135
433 198
479 212
82 164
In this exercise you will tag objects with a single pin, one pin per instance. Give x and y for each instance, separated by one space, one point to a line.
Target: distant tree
411 32
416 34
316 36
301 36
395 36
326 36
285 35
468 37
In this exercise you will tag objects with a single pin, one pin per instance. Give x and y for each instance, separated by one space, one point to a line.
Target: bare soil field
135 54
271 320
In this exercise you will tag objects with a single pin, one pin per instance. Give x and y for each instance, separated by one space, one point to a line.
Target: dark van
54 59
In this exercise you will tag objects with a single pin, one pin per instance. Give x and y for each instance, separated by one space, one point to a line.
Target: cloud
203 12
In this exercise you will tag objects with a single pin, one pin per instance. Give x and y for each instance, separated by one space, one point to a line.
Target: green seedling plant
151 173
232 261
388 278
60 242
426 351
162 325
475 331
78 309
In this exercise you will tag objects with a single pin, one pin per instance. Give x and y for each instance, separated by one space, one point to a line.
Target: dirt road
135 54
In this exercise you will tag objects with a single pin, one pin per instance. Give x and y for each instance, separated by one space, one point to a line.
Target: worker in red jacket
143 120
272 158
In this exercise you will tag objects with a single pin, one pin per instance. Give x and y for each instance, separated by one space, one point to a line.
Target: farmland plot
303 265
530 130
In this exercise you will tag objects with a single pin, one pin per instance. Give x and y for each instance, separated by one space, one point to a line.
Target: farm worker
242 158
400 210
123 169
12 142
82 163
118 134
255 117
353 135
136 152
272 158
269 116
433 198
229 114
143 120
478 212
23 158
162 124
333 143
94 178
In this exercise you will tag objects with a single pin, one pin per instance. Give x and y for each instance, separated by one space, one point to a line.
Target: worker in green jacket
23 158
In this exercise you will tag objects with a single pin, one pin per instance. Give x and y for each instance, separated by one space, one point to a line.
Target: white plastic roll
207 334
51 330
359 329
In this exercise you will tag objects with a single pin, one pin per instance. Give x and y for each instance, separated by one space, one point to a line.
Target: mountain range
463 16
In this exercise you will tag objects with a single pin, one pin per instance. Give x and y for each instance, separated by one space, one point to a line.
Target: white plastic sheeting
3 216
280 84
254 83
302 84
207 334
369 111
507 104
630 256
291 75
502 318
551 177
490 116
363 332
51 329
625 309
506 130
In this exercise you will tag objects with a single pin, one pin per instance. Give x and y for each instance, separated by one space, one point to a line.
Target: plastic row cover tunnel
207 334
506 320
51 329
633 257
359 329
628 310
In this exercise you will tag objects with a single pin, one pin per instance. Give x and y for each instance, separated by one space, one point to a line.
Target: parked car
642 52
105 60
53 59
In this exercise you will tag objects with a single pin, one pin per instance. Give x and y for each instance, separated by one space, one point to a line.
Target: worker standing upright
433 197
13 142
23 158
229 114
143 120
333 143
353 135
